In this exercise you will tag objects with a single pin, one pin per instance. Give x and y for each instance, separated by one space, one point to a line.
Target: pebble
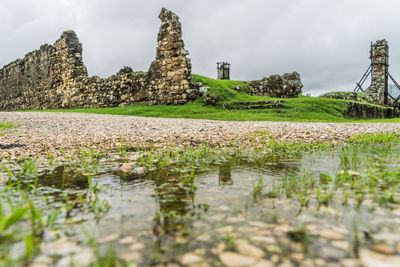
204 238
344 245
260 224
137 246
235 219
384 249
190 258
130 256
263 239
60 247
329 234
126 167
108 238
244 248
373 259
232 259
42 260
350 263
330 253
263 263
127 240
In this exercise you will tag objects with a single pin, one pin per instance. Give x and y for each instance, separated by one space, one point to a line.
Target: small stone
398 247
320 262
130 256
40 261
139 170
259 224
223 208
108 238
137 246
232 259
190 258
350 263
372 259
330 253
329 234
263 263
274 249
384 249
204 238
225 229
297 256
286 263
246 249
235 219
61 247
344 245
126 167
275 258
127 240
263 239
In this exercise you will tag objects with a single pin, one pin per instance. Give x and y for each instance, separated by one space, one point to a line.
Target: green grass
7 125
303 108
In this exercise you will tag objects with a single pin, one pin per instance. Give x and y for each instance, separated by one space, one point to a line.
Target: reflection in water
174 211
225 174
62 179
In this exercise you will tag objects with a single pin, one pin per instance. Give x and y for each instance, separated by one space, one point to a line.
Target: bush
125 70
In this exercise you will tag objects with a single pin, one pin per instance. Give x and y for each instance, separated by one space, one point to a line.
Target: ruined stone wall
169 75
25 78
55 77
377 92
285 86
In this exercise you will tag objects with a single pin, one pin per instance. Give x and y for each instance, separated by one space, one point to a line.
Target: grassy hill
303 108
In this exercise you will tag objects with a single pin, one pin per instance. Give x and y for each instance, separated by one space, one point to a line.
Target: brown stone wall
25 78
55 77
287 85
169 74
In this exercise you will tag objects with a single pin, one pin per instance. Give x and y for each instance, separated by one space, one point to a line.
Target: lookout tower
378 92
223 69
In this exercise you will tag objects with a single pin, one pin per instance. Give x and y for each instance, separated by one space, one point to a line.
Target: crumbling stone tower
171 70
378 91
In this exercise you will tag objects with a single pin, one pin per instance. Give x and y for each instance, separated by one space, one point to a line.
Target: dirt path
40 133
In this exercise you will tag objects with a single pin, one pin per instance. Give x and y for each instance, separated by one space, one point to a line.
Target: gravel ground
42 133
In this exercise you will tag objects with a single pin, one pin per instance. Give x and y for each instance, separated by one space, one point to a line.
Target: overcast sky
326 41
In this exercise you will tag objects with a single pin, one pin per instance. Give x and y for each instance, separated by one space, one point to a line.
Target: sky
326 41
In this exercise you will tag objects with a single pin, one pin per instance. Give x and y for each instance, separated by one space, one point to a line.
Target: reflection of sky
325 41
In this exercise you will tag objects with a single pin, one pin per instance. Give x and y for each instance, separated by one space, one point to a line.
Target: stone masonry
377 92
55 77
285 86
169 74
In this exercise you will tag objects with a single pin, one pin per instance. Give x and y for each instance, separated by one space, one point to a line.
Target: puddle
292 209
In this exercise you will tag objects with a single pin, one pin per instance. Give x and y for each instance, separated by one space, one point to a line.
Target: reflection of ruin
173 201
173 215
61 179
225 174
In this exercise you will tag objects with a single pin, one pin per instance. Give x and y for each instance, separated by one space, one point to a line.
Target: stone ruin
378 90
223 71
54 76
285 86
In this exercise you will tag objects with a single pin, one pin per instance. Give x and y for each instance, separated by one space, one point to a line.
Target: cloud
327 42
